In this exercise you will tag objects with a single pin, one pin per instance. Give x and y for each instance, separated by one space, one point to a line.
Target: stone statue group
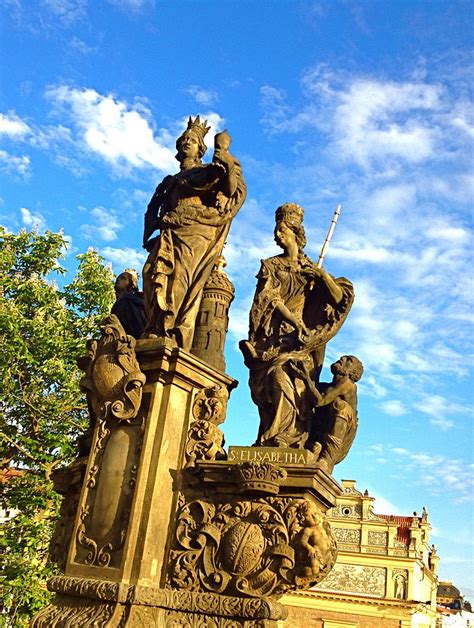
298 307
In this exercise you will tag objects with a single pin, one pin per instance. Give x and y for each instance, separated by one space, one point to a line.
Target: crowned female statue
298 307
193 210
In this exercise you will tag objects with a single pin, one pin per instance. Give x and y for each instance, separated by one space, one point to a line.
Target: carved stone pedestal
169 532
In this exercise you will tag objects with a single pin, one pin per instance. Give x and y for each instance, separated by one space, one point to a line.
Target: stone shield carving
250 548
113 381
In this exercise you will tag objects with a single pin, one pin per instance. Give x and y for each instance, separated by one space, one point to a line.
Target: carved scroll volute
205 440
113 381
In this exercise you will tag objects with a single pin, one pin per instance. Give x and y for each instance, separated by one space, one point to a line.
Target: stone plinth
169 530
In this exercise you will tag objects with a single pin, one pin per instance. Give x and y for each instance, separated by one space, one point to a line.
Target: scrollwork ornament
204 442
99 555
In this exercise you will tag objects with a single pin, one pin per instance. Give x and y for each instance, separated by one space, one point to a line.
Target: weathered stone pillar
131 486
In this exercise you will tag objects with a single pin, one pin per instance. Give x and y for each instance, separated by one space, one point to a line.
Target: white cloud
121 134
105 227
126 257
80 46
67 11
441 410
13 126
32 220
393 407
434 472
13 164
383 506
372 122
133 5
202 96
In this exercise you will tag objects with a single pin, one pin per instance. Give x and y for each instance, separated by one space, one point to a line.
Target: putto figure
193 211
297 309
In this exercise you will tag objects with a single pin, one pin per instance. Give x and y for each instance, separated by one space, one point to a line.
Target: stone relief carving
350 490
105 510
298 307
74 611
377 538
250 548
192 210
371 516
210 404
152 605
104 515
68 483
347 535
258 476
205 440
401 544
356 579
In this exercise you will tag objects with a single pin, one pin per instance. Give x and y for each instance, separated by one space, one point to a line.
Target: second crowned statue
193 210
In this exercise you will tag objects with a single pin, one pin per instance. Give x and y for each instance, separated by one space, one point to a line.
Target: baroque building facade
385 573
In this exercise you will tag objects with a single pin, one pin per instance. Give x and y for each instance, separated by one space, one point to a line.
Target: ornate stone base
85 602
169 530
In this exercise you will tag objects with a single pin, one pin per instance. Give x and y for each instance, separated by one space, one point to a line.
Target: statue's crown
196 127
291 213
134 275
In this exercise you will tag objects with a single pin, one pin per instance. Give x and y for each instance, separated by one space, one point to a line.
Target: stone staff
329 236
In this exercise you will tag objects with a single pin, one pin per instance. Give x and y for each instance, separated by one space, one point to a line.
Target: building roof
447 589
403 526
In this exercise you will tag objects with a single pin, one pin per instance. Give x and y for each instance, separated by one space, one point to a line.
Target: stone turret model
213 318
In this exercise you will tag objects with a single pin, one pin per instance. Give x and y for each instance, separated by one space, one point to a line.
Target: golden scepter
328 237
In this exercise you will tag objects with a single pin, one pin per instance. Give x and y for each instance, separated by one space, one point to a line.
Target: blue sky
367 104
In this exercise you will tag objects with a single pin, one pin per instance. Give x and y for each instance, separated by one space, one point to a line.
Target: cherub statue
192 210
314 543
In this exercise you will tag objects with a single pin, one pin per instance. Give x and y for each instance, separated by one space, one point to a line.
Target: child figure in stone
314 544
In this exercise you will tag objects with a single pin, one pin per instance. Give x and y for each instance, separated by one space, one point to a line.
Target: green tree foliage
43 329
